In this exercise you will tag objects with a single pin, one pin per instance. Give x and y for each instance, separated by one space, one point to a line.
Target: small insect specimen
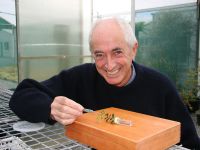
111 118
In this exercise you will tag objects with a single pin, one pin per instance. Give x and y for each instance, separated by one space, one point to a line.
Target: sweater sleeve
31 100
176 110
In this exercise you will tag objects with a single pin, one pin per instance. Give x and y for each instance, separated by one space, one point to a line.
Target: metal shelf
51 137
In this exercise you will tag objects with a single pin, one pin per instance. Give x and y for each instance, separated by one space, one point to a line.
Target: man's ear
135 47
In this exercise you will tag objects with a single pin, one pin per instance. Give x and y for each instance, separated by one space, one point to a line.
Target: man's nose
110 63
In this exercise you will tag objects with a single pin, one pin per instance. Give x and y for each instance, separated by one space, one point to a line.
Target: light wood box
146 133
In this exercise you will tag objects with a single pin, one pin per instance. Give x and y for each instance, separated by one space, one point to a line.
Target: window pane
8 51
112 8
160 3
168 39
51 37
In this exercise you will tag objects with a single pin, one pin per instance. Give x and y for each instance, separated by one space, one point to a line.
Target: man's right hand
65 110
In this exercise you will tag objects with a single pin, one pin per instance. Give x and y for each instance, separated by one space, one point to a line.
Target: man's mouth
112 73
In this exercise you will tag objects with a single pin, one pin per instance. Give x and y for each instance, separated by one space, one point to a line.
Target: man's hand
65 110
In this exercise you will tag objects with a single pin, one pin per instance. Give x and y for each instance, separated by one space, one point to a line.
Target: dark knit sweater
150 93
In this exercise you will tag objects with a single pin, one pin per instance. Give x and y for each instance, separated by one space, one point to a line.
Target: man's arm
31 101
35 102
176 110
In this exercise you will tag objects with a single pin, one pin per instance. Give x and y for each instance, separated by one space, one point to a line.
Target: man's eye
118 52
98 56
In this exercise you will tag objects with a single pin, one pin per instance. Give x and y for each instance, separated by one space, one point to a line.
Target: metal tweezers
87 110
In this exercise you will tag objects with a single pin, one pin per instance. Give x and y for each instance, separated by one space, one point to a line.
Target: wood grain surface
146 133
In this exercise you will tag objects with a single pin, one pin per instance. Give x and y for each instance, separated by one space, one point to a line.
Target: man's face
113 57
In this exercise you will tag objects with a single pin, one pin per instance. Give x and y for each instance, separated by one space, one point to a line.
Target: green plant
106 116
8 73
111 118
190 88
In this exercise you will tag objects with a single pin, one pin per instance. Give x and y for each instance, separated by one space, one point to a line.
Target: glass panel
160 3
51 36
168 40
105 8
8 51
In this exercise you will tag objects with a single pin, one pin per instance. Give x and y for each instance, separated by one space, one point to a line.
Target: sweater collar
133 74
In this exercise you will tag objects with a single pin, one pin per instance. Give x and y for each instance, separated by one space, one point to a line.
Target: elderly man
114 80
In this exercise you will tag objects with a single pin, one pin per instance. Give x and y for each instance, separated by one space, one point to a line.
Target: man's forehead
106 24
107 21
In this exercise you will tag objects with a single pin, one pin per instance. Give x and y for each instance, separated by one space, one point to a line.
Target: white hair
126 28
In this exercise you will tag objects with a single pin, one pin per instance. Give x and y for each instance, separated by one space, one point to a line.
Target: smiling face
113 56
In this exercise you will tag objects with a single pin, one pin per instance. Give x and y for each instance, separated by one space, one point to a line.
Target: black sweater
150 93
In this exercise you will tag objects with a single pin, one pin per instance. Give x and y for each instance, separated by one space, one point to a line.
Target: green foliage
110 118
165 42
9 73
139 27
189 89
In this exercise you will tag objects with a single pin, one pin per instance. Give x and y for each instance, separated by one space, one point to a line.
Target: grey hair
126 28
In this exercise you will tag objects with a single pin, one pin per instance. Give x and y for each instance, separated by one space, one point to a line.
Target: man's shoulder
151 74
82 70
82 67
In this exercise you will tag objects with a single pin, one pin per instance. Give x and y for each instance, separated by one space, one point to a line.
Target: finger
70 103
70 110
63 118
63 115
65 109
64 121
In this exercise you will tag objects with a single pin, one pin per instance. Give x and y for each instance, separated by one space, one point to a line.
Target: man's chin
113 82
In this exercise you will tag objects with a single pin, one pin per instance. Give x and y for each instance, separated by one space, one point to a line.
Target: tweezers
87 110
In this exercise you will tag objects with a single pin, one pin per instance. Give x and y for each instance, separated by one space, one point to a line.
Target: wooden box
146 133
